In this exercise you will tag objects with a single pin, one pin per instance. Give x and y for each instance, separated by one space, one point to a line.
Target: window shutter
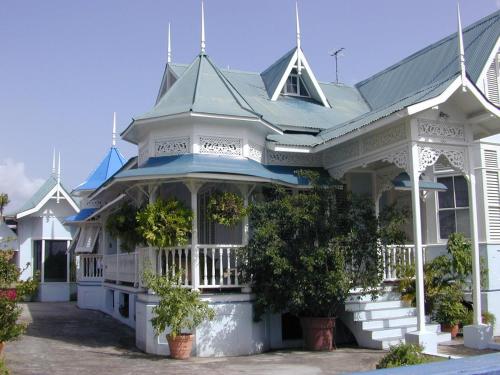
492 193
492 82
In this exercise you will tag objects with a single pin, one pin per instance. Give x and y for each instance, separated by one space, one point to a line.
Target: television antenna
336 54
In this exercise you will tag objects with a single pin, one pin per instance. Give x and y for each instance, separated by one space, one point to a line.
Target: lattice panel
439 129
143 154
221 145
172 146
255 152
293 159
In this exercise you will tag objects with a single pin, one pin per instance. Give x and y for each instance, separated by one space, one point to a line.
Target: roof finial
169 47
54 162
202 28
461 49
299 65
113 141
58 176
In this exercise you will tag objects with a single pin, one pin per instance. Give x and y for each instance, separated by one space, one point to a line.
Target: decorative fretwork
221 145
384 179
255 152
338 172
399 158
342 152
172 146
143 154
293 159
95 203
439 129
428 156
384 138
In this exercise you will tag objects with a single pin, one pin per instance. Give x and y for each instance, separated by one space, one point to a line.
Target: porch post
42 263
477 335
417 236
195 256
151 251
68 262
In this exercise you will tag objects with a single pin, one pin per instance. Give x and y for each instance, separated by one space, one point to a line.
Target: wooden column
194 187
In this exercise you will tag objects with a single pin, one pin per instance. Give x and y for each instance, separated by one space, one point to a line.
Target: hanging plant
122 224
165 223
226 208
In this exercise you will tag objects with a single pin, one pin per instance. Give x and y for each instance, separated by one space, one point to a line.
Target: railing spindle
213 266
221 267
205 278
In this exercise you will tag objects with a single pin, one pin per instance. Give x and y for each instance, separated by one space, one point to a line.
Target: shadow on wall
232 332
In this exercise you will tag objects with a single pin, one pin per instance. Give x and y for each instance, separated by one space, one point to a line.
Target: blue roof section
402 181
111 163
81 216
198 163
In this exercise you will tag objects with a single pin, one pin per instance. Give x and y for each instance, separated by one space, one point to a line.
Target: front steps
384 322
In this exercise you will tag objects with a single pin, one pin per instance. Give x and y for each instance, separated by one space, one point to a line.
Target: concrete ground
62 339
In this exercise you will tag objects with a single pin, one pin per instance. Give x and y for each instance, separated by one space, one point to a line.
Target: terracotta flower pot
318 333
2 347
452 329
180 346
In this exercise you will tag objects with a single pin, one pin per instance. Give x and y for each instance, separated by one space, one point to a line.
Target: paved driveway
65 340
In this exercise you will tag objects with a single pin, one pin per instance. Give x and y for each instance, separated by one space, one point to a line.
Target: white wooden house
212 128
43 239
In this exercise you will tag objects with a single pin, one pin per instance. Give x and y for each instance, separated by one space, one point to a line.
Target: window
55 266
453 207
295 85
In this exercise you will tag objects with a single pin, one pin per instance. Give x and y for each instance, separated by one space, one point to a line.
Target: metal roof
108 166
435 63
402 181
272 75
40 194
81 216
198 163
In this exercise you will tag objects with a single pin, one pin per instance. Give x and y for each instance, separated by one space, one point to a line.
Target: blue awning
402 181
81 216
198 163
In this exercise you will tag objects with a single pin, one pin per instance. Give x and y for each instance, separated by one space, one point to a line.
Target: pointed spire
54 162
202 28
461 49
113 141
169 47
299 64
58 177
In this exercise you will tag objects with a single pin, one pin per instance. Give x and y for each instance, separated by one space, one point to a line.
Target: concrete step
399 312
389 323
373 305
400 331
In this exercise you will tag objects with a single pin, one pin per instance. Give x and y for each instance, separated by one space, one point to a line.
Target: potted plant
179 309
307 252
450 310
226 208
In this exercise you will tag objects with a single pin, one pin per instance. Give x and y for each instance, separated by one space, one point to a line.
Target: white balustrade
90 267
174 260
219 266
122 268
395 258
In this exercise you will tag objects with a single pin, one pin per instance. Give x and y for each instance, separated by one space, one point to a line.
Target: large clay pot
452 329
318 333
180 346
2 347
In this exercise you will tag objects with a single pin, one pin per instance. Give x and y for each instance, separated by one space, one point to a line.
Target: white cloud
15 182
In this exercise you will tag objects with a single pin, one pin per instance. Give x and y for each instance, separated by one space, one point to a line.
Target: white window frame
454 209
299 83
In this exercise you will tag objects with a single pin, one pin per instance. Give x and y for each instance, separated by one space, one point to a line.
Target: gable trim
493 53
45 199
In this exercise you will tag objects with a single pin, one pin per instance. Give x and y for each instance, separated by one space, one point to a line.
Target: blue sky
65 66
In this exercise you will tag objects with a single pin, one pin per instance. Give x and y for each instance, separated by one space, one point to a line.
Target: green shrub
403 355
226 208
122 224
3 368
450 309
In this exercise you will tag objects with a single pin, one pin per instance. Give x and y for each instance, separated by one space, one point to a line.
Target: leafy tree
308 250
4 201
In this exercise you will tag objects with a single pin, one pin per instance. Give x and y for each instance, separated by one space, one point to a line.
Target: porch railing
395 258
218 265
122 268
90 267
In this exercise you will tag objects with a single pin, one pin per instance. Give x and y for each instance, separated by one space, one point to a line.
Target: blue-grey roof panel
402 181
112 162
81 216
197 163
272 75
